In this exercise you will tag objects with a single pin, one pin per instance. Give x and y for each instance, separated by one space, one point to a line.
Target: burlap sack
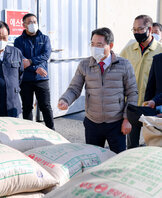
135 173
65 161
25 134
19 173
152 130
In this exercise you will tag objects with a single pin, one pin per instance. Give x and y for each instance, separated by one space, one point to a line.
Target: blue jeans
42 92
97 134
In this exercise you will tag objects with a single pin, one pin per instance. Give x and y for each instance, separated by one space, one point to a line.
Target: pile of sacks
38 162
35 160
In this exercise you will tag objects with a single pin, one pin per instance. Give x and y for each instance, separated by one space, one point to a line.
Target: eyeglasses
139 29
99 45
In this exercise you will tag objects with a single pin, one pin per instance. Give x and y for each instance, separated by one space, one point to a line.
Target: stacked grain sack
135 173
64 161
21 176
25 134
19 173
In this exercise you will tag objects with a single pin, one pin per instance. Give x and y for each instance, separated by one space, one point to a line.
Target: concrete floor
71 127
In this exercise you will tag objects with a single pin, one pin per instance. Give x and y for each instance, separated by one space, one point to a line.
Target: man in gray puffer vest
110 86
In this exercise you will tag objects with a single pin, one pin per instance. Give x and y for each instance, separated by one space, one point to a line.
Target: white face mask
3 44
97 53
33 28
156 36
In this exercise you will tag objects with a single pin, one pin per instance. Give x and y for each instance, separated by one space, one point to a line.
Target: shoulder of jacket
124 64
156 46
160 46
12 49
40 34
85 61
43 38
122 60
19 38
17 50
131 46
158 57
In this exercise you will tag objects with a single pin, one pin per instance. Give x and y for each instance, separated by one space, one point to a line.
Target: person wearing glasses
36 50
140 54
110 85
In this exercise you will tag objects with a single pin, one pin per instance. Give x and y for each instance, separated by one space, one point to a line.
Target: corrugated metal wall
68 23
69 29
30 5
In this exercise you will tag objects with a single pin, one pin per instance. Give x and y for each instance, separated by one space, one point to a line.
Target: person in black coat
154 84
11 73
156 101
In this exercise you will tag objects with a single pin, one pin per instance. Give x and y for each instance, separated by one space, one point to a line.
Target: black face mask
141 37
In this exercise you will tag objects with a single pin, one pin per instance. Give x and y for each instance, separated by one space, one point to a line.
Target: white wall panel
30 5
119 17
69 28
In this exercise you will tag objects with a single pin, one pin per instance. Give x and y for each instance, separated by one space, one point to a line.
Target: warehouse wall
119 15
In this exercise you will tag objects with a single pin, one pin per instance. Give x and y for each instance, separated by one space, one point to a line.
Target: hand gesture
62 105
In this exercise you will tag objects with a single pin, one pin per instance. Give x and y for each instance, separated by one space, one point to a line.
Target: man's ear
150 29
111 45
24 25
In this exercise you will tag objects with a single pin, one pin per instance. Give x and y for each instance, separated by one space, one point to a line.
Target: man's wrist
64 100
30 61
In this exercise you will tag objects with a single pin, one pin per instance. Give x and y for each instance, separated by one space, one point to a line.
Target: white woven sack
135 173
19 173
152 130
64 161
27 195
25 134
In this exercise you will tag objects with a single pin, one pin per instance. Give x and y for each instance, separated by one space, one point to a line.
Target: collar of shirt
1 55
107 61
143 49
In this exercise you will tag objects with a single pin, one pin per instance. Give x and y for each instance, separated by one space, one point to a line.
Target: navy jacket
38 49
12 68
158 99
154 85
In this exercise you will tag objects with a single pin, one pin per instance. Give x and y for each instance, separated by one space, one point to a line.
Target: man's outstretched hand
62 105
